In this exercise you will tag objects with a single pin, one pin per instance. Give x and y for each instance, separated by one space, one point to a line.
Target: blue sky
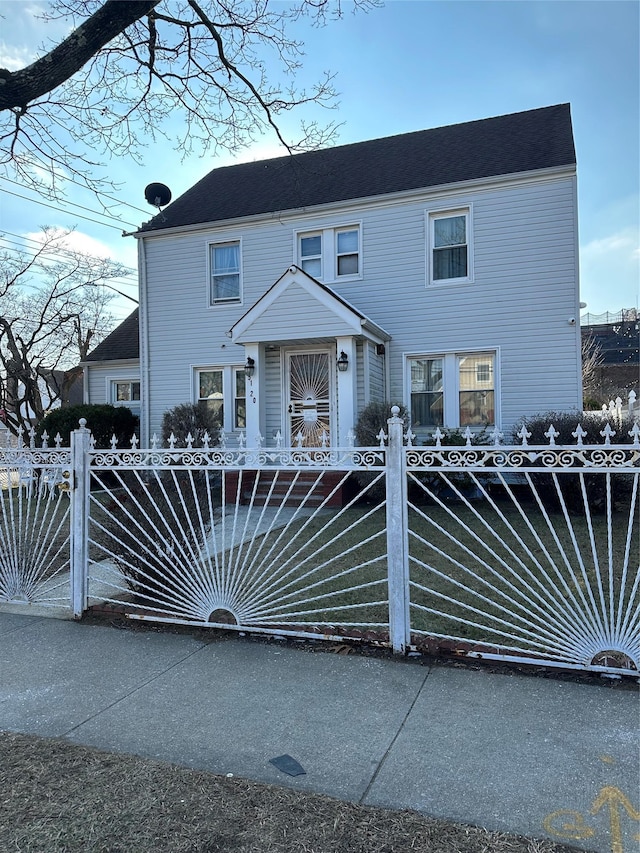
414 64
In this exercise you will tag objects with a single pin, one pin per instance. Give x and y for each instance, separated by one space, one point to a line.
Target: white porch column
253 390
347 389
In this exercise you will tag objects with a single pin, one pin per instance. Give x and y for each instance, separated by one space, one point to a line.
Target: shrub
104 421
436 482
372 419
195 419
565 424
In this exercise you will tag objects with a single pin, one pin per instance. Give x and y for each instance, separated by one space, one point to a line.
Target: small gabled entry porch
312 362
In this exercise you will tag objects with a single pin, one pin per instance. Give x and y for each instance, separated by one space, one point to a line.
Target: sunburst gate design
253 549
529 553
310 399
35 528
543 566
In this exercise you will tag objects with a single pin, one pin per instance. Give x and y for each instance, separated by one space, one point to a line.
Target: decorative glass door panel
309 399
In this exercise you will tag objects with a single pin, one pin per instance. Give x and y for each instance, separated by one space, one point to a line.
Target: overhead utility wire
128 281
60 253
70 212
101 194
75 204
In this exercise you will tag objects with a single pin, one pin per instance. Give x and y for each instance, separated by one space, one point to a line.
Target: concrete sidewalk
524 754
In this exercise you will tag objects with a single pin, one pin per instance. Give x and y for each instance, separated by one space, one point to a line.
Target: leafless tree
54 308
108 88
592 358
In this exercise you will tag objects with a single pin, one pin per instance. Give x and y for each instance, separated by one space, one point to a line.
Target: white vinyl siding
525 288
101 376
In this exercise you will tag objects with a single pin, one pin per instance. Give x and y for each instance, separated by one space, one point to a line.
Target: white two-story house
437 268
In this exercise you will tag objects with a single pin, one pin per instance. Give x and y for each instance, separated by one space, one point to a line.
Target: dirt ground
56 797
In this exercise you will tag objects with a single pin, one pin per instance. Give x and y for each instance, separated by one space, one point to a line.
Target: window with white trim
223 391
210 392
126 392
239 398
453 390
330 254
225 272
450 247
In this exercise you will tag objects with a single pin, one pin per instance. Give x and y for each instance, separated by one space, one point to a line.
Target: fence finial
607 433
552 433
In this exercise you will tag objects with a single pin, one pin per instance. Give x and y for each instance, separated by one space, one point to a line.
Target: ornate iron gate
527 553
273 541
35 531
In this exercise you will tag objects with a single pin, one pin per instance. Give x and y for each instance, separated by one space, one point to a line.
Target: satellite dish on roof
158 195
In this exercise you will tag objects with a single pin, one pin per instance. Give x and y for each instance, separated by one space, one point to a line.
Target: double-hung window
450 257
239 398
331 254
210 393
452 390
310 252
223 391
224 263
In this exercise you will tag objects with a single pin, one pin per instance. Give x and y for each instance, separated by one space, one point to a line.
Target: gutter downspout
144 345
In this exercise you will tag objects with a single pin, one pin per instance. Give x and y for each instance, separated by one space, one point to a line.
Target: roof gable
520 142
311 300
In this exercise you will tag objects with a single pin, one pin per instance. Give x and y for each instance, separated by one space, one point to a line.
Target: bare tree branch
228 68
51 314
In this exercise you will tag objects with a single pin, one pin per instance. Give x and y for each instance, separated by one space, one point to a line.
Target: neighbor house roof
122 343
505 145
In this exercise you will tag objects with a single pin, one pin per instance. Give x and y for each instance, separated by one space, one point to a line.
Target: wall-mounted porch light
343 361
249 367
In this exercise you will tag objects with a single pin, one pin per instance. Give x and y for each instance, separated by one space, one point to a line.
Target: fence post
397 536
80 443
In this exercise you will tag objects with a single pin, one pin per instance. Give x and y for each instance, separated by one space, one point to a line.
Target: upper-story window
331 253
311 254
450 246
224 263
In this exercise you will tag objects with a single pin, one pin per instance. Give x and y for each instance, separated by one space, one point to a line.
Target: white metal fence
520 552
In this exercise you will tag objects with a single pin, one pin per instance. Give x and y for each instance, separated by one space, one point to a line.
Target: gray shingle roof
520 142
122 343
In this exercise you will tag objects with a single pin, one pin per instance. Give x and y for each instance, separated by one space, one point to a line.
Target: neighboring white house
111 372
437 268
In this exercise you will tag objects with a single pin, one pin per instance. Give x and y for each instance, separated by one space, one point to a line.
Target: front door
309 404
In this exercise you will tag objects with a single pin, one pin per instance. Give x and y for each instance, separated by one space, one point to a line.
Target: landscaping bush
435 481
195 419
372 419
565 424
104 421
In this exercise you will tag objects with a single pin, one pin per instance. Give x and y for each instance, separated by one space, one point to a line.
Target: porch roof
298 307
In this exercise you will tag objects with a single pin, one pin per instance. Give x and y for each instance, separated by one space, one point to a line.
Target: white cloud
75 241
610 271
15 57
